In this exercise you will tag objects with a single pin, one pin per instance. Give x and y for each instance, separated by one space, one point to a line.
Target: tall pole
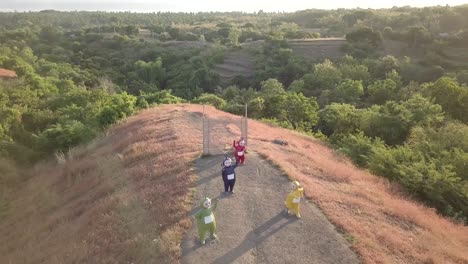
245 127
245 110
206 131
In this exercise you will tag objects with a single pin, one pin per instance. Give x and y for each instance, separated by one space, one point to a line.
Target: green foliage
256 107
382 91
76 74
365 34
325 76
447 144
393 121
424 177
437 185
235 108
162 97
348 91
64 136
210 99
273 93
141 103
338 118
151 72
452 97
300 111
359 147
120 106
357 72
297 86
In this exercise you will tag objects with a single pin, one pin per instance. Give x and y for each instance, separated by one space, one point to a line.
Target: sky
210 5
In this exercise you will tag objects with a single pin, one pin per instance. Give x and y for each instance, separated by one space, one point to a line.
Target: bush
142 103
338 118
162 97
120 106
64 136
109 115
234 108
359 147
255 107
437 185
211 99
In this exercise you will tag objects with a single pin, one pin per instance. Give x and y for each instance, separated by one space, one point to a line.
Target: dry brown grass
384 225
124 198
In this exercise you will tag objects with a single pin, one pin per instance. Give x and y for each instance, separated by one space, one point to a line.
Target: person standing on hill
229 175
294 198
239 150
206 221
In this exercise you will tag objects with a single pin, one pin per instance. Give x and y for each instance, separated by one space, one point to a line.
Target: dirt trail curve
251 225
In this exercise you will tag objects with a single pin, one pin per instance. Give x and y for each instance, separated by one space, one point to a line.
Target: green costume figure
206 221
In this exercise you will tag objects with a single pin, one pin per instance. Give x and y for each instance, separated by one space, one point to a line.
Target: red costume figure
239 150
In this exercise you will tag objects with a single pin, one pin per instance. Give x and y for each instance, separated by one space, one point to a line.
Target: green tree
453 98
273 93
151 72
382 91
338 118
357 72
325 76
348 91
233 36
365 34
301 111
64 136
211 99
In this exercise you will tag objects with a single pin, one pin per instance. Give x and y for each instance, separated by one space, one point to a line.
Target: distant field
457 56
186 44
236 63
242 63
400 49
317 49
454 56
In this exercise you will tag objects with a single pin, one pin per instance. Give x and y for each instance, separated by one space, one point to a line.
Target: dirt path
251 225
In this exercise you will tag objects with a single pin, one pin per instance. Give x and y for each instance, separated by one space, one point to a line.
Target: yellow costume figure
294 198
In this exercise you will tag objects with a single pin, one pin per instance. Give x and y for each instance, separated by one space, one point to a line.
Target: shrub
359 147
211 99
162 97
142 103
64 136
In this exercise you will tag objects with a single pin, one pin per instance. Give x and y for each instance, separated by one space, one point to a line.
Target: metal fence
207 134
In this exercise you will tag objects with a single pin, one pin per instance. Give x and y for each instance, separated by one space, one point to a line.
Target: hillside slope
121 199
383 225
126 197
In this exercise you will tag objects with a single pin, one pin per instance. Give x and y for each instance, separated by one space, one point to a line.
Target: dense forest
396 102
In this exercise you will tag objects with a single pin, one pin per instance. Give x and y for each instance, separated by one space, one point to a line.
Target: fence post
244 126
206 134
